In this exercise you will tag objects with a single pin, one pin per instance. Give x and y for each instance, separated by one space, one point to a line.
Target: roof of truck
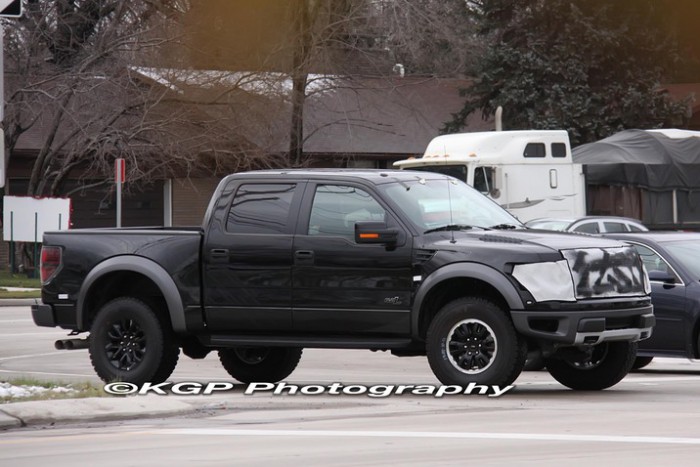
375 176
495 146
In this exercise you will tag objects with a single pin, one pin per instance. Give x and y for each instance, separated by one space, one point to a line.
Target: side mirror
661 276
375 232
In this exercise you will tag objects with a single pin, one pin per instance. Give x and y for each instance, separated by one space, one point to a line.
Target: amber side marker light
369 235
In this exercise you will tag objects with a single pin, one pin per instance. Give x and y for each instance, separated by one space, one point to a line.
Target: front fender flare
464 271
141 265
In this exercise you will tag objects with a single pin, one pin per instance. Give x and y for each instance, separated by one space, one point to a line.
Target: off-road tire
472 340
607 367
128 342
260 364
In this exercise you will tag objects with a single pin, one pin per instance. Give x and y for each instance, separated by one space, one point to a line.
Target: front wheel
260 364
600 367
129 343
471 340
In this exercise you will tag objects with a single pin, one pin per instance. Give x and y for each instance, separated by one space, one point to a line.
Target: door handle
219 253
303 257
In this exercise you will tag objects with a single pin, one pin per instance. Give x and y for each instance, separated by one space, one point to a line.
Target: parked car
589 224
672 260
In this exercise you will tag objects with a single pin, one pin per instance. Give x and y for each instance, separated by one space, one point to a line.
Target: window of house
261 209
336 208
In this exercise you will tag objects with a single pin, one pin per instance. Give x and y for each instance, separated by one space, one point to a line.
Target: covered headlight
546 281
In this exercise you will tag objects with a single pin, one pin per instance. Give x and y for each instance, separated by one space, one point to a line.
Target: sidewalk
49 412
59 411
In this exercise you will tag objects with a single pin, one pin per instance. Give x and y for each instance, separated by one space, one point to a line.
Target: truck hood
540 241
551 239
599 267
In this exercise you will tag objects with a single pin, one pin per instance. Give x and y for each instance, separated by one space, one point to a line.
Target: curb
8 421
18 301
93 409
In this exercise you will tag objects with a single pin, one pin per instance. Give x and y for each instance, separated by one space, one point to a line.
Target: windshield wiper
451 227
504 227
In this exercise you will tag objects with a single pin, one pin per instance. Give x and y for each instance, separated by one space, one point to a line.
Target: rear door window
588 227
614 227
261 209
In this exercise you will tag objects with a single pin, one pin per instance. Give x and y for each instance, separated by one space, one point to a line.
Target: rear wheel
260 364
128 342
471 340
593 369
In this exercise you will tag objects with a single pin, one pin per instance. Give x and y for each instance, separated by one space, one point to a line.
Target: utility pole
8 9
119 176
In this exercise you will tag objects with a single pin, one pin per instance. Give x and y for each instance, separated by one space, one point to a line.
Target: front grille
606 272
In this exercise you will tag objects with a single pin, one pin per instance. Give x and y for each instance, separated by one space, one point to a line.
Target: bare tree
91 81
76 92
431 37
334 38
357 38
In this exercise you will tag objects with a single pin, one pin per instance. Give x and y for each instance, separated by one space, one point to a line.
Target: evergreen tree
592 67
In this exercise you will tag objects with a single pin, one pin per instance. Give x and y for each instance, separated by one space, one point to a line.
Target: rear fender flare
145 267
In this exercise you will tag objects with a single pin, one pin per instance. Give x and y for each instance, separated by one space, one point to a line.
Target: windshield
433 202
687 253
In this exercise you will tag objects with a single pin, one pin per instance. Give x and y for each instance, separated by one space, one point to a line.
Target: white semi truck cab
530 173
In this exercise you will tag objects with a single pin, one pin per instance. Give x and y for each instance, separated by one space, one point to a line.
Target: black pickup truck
409 262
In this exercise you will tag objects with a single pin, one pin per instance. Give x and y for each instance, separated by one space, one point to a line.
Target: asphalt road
651 418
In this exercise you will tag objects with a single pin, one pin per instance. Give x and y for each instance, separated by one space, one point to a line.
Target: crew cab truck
415 263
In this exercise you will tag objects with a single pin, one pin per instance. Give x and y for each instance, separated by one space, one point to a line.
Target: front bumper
576 327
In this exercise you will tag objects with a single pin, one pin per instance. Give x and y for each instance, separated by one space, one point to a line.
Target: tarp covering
648 159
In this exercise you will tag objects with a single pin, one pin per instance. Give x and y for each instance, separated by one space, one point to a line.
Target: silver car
589 224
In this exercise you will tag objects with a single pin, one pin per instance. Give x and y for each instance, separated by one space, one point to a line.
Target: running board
305 341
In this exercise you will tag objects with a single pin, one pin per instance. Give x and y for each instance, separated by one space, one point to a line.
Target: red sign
119 171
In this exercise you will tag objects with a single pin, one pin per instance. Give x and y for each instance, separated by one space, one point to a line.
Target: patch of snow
11 391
